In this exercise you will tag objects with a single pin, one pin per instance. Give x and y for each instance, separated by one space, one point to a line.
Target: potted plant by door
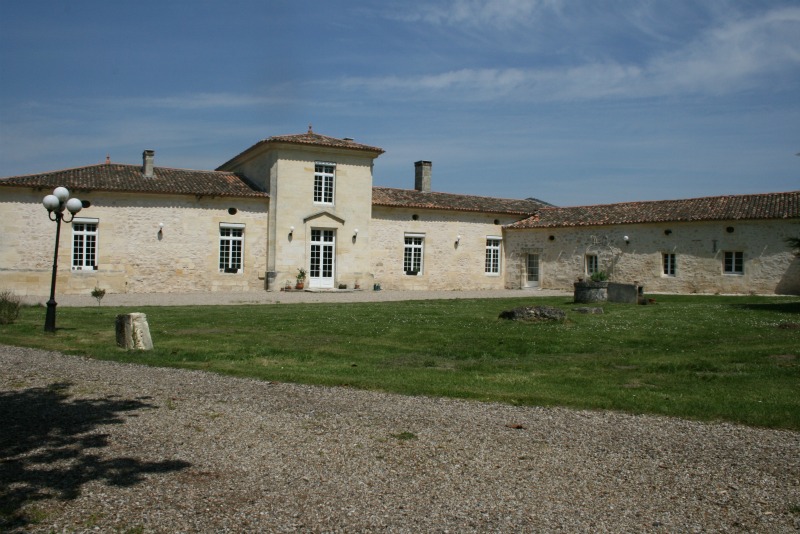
301 278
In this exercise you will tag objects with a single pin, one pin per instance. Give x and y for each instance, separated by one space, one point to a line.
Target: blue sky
572 102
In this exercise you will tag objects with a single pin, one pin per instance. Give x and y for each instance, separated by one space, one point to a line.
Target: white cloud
475 13
205 101
733 56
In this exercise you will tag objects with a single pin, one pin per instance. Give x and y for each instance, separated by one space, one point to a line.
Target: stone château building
308 201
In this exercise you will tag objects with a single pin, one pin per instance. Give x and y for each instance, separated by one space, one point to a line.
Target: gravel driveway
101 446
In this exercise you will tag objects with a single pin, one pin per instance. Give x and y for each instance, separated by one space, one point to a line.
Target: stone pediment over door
322 216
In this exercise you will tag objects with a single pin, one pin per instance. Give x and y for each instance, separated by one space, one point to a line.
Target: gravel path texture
93 446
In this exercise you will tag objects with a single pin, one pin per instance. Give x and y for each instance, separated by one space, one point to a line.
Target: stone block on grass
133 332
534 314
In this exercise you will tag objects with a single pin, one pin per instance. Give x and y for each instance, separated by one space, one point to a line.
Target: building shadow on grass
49 448
782 307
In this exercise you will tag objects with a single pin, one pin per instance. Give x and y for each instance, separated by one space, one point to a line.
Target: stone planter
586 292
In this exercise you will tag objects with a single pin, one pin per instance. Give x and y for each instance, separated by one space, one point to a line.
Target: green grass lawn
701 357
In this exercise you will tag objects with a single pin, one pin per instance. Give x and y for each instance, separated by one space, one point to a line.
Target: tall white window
492 255
669 264
734 262
412 254
84 244
592 265
324 182
231 246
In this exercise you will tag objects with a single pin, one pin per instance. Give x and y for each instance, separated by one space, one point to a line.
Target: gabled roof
411 198
130 179
727 208
311 139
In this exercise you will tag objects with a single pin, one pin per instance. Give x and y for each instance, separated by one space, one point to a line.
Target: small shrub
9 307
599 276
98 294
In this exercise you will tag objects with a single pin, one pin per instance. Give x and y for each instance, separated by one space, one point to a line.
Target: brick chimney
147 163
422 176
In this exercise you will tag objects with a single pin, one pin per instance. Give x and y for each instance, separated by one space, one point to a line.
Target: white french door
323 253
532 271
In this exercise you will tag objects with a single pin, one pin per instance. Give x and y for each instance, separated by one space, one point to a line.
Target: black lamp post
55 205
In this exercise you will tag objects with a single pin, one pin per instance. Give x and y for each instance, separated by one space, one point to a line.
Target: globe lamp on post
55 205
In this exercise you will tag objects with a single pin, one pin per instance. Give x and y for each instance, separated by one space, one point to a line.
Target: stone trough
589 292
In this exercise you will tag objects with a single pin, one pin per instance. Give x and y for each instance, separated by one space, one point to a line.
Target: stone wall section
133 257
446 265
699 247
287 172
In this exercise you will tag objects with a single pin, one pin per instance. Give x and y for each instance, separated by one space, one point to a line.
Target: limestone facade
287 172
134 253
447 261
699 250
308 201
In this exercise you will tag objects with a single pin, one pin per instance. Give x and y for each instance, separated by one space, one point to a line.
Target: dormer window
324 182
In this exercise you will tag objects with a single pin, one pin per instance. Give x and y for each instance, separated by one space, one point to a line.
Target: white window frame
493 262
85 236
733 262
413 254
669 263
324 183
229 235
322 257
591 264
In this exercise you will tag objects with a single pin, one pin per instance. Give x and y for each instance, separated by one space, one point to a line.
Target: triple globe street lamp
55 204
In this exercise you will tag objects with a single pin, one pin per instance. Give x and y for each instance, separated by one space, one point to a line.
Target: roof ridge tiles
459 194
307 138
687 199
124 177
413 198
779 205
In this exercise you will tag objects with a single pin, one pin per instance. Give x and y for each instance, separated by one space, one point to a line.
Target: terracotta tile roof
729 208
130 178
308 138
411 198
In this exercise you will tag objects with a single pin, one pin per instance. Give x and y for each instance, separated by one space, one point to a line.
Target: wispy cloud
471 13
728 58
732 57
205 101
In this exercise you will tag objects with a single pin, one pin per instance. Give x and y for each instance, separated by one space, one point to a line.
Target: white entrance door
532 271
320 271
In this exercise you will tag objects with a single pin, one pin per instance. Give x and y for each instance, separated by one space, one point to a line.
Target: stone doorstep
321 290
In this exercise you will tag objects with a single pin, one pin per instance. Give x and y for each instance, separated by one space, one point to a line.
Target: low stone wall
586 292
625 293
